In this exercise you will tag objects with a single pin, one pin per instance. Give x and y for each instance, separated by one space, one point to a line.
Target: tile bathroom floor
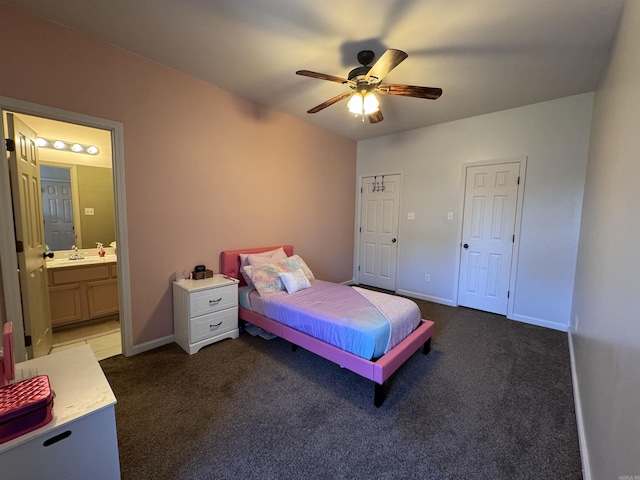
103 337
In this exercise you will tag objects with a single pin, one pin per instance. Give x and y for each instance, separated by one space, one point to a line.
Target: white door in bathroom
24 171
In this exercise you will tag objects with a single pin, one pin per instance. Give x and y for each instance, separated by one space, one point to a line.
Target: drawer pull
57 438
214 302
211 327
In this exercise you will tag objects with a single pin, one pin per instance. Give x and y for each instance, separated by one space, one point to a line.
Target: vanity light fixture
64 145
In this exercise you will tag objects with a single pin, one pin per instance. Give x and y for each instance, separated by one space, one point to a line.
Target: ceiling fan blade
324 76
430 93
329 102
387 62
375 117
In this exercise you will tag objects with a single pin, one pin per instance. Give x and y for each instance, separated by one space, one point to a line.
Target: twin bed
370 333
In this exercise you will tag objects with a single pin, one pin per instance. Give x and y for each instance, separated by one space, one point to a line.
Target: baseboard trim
428 298
540 322
144 347
582 441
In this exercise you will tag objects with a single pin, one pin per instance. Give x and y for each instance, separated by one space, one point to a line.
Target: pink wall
205 170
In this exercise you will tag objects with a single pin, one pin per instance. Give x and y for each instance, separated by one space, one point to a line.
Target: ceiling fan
365 80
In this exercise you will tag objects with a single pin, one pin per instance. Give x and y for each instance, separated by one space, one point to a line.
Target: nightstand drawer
213 324
213 300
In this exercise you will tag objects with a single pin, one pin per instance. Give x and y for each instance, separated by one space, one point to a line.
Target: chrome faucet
76 255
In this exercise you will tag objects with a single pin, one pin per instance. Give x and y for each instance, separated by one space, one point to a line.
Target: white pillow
257 259
294 281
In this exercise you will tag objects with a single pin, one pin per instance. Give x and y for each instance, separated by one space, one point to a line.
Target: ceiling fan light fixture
355 104
363 103
365 80
371 104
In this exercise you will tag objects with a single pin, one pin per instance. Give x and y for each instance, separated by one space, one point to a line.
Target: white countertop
63 262
79 383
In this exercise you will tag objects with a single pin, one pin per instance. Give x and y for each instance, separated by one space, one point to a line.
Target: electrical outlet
450 216
427 277
411 216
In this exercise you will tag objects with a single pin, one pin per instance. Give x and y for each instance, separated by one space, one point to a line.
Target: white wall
605 332
554 136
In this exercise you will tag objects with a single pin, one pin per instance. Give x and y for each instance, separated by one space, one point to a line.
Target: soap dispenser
100 249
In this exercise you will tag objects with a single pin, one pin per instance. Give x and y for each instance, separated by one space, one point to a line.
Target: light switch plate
411 216
88 211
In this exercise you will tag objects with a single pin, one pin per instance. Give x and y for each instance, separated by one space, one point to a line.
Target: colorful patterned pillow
295 262
256 259
266 278
294 281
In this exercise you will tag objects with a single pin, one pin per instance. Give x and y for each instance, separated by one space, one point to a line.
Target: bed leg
426 347
380 393
294 347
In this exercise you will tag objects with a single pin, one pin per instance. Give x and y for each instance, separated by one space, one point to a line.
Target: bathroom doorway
78 215
41 115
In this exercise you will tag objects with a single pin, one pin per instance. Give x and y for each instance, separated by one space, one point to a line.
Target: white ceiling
486 55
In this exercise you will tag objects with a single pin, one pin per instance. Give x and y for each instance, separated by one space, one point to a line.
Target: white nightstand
205 311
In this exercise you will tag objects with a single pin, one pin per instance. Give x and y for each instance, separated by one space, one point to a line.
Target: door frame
358 224
8 259
522 160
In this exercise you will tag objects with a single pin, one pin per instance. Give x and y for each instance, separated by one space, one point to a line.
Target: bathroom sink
87 260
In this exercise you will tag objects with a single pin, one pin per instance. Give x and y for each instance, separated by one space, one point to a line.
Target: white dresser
205 311
81 441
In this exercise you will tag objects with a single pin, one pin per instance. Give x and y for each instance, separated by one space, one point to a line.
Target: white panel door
27 207
491 194
379 213
57 208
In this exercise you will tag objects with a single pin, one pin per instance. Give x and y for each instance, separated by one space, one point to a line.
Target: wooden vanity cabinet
83 292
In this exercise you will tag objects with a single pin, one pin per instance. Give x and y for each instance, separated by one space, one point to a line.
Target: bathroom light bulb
92 150
41 142
58 144
76 147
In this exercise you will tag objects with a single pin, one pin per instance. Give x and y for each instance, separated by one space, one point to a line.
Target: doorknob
47 254
393 240
466 245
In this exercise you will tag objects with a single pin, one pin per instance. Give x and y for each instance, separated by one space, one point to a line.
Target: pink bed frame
378 371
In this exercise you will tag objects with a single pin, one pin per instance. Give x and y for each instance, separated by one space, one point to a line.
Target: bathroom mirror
78 207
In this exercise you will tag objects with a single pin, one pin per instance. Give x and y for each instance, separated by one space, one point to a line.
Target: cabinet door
66 306
84 449
103 298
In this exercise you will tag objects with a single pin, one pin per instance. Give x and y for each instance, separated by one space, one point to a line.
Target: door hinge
358 267
19 246
360 190
518 180
27 340
11 144
513 239
508 293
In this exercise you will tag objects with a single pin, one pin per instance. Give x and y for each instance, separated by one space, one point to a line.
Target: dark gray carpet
493 400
